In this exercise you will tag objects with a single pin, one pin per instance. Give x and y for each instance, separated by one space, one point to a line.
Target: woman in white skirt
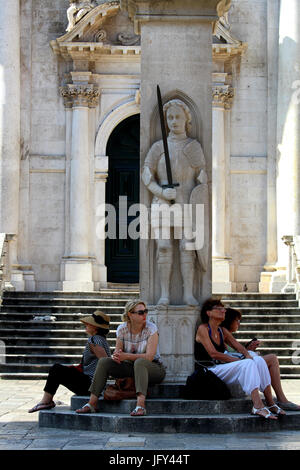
251 373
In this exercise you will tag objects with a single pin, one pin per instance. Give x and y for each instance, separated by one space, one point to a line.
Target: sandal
288 406
278 410
42 406
138 411
257 411
90 407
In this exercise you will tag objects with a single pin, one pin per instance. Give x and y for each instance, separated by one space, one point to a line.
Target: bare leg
47 398
273 365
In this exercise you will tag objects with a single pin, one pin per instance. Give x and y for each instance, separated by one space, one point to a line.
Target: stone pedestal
177 328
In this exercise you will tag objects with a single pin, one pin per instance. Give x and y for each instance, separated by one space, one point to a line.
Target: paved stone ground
19 429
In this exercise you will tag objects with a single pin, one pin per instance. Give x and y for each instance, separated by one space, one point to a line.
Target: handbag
205 385
122 389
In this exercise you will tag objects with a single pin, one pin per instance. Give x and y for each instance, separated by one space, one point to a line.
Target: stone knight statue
189 171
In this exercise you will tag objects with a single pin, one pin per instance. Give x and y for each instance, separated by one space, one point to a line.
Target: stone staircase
31 347
274 319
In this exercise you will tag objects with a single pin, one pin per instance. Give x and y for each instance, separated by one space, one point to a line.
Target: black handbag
205 385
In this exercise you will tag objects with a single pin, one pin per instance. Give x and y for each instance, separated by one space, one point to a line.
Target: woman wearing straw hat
78 378
136 355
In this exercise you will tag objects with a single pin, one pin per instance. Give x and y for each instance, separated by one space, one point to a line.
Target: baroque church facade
70 78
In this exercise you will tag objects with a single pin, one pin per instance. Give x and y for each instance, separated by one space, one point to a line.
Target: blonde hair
130 306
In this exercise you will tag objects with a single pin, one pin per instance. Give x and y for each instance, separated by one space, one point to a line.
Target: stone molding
141 11
223 96
80 95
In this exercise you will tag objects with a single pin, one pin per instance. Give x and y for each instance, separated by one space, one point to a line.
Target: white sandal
136 410
91 409
255 411
278 411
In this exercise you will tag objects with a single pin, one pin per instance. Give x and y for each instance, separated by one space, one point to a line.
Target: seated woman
232 323
251 373
136 355
78 378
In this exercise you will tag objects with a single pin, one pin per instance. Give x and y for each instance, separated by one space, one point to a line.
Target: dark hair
208 305
102 332
231 315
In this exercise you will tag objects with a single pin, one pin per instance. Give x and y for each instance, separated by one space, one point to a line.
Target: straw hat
98 319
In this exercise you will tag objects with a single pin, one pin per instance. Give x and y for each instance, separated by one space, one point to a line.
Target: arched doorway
123 150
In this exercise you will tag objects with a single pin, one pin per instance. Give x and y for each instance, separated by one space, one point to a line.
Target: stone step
254 296
18 325
63 418
52 310
267 326
237 303
169 406
40 359
125 292
57 341
31 301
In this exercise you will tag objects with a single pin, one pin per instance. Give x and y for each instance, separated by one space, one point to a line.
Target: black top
200 352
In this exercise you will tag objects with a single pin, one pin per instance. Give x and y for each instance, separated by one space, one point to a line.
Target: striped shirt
137 343
89 360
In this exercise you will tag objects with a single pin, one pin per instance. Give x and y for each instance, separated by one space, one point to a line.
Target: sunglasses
141 312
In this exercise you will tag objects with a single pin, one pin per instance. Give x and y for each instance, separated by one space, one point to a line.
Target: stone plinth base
177 328
77 275
272 282
222 275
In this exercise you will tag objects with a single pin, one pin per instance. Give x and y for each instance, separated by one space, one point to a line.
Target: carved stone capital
80 95
223 96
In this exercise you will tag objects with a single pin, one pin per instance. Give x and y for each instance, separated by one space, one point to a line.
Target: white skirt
249 373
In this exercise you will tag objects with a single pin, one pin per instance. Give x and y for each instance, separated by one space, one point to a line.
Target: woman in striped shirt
78 378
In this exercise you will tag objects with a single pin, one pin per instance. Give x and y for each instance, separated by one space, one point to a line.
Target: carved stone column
77 264
222 268
10 130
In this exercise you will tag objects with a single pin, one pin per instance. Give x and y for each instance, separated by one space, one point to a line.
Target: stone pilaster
10 131
222 268
77 264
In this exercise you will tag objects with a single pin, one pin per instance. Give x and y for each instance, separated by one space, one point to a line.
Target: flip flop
90 409
136 411
288 406
42 406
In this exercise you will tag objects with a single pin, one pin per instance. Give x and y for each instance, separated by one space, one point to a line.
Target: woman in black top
78 378
251 373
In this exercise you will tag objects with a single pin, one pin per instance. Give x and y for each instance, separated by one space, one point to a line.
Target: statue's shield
199 202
